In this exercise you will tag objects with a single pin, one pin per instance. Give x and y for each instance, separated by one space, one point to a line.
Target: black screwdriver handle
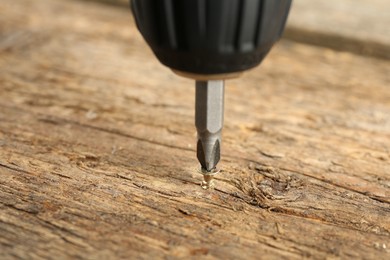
211 36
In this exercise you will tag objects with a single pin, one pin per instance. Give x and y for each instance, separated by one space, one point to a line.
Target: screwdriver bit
209 106
210 41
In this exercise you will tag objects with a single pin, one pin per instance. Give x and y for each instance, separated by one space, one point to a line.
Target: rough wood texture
97 155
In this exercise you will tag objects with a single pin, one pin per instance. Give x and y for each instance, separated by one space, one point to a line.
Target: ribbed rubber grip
210 36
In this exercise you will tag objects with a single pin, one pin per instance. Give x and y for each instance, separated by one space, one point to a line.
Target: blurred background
358 26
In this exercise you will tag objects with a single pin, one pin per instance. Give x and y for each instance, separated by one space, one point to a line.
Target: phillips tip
209 122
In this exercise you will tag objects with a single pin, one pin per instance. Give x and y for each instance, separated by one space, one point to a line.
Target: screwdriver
210 41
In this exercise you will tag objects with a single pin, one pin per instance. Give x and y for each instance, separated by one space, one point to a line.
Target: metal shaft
209 122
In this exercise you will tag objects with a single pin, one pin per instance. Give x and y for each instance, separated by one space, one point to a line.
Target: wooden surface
97 156
358 26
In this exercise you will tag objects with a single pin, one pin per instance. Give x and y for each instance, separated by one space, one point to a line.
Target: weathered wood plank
97 153
355 26
363 20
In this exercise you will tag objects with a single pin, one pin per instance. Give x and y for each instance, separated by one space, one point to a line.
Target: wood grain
97 155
